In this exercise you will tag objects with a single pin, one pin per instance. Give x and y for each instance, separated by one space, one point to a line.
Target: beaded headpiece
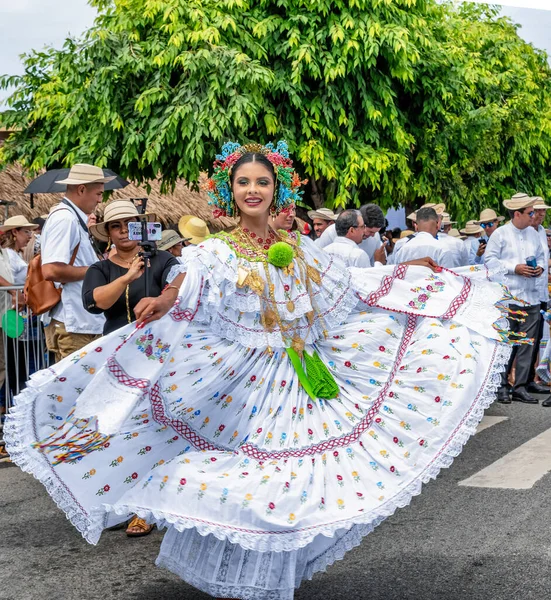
287 180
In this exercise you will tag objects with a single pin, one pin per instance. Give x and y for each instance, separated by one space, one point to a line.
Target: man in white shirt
322 219
65 232
516 249
540 209
372 245
424 243
351 231
453 244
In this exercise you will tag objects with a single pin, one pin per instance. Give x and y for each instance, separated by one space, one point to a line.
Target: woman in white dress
281 407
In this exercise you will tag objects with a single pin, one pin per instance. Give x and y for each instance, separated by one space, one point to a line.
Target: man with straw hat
172 242
424 243
515 249
193 230
67 252
489 221
475 249
322 219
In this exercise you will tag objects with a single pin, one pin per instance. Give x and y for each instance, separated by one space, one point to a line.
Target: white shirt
368 246
18 267
421 245
349 252
543 280
60 236
509 247
457 248
472 244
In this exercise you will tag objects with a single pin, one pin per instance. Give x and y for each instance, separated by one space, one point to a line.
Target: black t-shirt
105 271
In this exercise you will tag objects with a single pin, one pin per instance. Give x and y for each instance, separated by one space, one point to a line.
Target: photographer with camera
116 285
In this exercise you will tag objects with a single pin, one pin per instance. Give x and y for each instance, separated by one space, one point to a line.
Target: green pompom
280 255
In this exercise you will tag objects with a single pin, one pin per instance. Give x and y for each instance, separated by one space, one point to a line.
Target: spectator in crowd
172 242
516 249
455 246
33 247
540 209
67 252
322 219
489 221
193 230
351 231
474 243
18 233
372 245
285 219
424 243
113 287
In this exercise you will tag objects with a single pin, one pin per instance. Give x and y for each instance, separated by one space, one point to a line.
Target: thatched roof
168 207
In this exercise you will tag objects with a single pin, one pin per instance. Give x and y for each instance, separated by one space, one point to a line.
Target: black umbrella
47 182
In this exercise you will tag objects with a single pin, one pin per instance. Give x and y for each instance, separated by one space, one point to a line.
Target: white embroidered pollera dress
198 423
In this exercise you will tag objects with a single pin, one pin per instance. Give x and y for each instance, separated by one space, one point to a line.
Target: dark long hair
249 157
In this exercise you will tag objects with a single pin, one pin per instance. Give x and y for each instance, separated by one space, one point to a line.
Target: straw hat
16 223
489 214
115 211
439 208
193 228
412 216
519 201
326 214
471 228
406 232
446 219
82 174
169 238
455 233
540 203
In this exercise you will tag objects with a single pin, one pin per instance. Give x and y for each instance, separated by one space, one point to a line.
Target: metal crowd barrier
20 356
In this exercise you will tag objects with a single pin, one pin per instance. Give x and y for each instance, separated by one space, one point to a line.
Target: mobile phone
154 231
480 242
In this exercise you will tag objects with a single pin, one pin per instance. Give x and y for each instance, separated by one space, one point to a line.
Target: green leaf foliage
393 101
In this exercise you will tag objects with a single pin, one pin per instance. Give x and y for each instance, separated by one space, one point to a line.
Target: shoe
537 388
503 396
521 395
546 402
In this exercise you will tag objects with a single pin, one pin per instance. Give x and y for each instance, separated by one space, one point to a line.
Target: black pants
524 354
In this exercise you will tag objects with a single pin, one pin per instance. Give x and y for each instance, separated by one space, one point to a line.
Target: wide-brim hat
169 238
446 219
193 228
519 201
406 232
439 208
412 216
540 203
488 215
455 233
16 223
471 228
325 214
116 211
82 174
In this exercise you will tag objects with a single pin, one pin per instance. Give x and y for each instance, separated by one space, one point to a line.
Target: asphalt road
451 543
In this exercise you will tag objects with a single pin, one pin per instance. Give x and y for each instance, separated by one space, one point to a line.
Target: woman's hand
425 262
152 309
136 269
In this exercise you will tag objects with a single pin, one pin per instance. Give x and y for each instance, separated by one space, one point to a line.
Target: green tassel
321 380
317 381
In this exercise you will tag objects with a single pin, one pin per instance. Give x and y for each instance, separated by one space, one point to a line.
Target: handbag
40 294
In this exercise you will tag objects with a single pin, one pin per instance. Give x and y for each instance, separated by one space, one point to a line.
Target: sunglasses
490 224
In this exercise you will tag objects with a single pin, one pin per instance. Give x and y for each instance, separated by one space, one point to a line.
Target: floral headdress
218 187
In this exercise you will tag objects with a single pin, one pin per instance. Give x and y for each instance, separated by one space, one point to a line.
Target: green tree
398 101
